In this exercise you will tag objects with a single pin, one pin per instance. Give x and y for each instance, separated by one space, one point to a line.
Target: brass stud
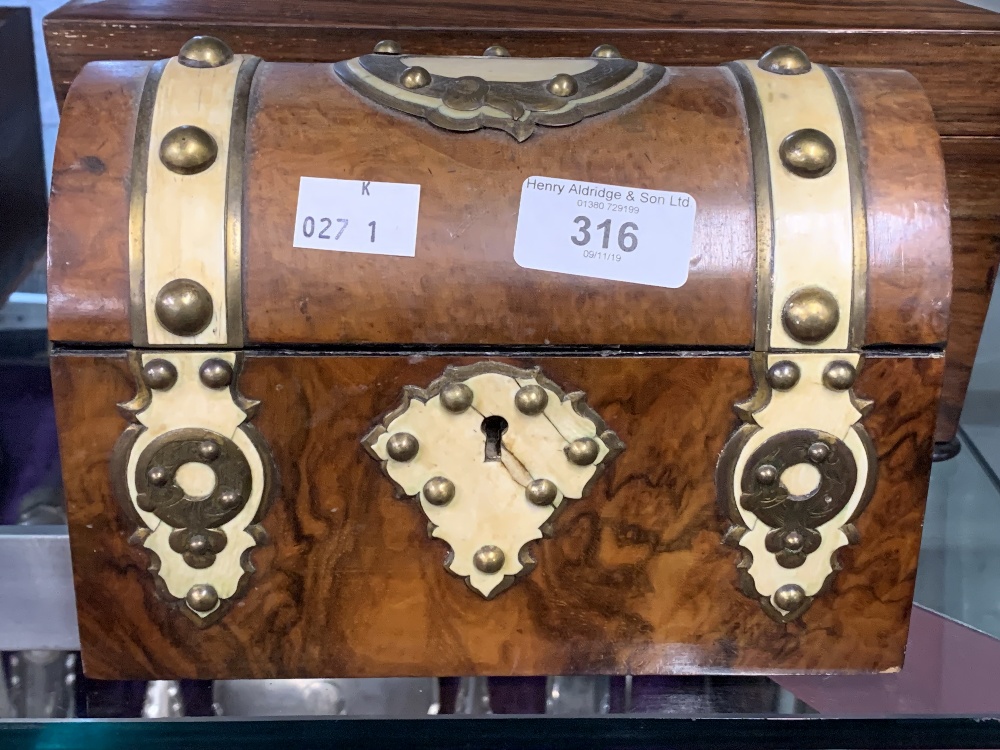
785 60
415 78
531 399
810 314
388 47
605 51
839 375
202 598
230 499
541 491
562 84
489 559
767 474
184 307
157 476
216 373
439 491
198 544
402 447
794 540
209 450
583 452
496 51
159 374
808 153
783 375
818 452
456 397
205 52
188 150
789 597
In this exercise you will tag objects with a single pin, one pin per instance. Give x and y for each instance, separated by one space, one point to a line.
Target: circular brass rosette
194 517
795 518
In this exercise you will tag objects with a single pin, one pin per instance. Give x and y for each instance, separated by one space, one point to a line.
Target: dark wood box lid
952 47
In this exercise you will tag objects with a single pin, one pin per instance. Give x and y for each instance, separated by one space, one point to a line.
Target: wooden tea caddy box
458 452
953 49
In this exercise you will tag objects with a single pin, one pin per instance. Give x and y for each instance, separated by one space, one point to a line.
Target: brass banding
234 201
859 211
137 204
762 203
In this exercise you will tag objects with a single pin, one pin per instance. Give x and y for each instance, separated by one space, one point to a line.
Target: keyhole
494 428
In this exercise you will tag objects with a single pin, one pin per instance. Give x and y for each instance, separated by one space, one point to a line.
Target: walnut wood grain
906 203
635 579
464 286
953 48
972 166
88 273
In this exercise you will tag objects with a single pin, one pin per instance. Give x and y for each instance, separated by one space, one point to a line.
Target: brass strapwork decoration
193 477
794 477
497 90
491 452
792 495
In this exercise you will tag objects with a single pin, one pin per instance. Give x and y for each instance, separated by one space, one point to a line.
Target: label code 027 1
325 227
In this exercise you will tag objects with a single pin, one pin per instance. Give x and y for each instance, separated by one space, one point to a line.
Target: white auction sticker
605 231
357 216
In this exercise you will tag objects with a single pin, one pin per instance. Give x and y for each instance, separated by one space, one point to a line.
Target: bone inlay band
813 242
185 215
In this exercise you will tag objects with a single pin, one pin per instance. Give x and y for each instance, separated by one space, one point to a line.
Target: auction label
605 231
357 216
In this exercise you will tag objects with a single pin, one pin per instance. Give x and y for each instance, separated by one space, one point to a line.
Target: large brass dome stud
415 78
184 307
785 60
205 52
808 153
562 84
489 559
810 315
202 598
495 50
188 150
388 47
606 51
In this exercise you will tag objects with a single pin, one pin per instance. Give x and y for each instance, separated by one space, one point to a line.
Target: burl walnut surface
635 579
